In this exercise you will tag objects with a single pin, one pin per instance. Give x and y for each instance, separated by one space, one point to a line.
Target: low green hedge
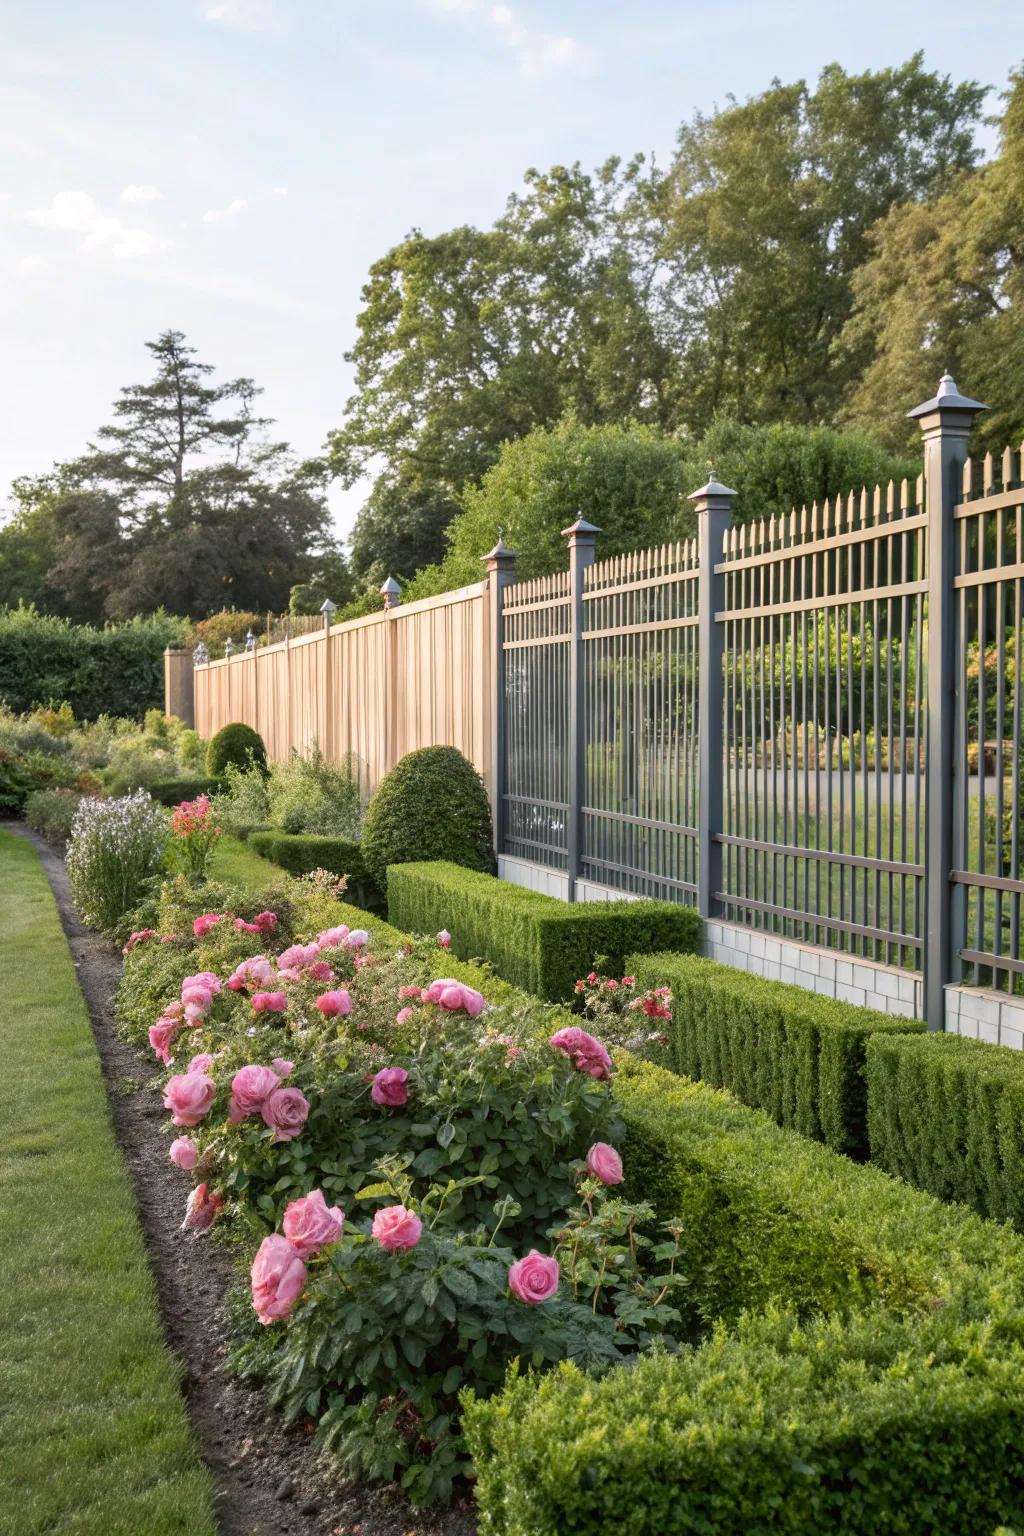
878 1386
791 1052
174 791
541 944
947 1114
301 852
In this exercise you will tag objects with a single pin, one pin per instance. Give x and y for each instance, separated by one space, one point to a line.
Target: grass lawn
234 860
94 1434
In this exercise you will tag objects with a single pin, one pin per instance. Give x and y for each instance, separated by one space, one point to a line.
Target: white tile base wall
969 1010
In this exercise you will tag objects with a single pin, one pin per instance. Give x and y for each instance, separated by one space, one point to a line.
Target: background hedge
117 670
896 1404
432 805
174 791
301 852
541 944
947 1114
780 1048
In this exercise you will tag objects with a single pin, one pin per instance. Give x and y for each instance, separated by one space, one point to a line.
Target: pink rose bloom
333 1003
297 957
197 1001
403 1015
320 971
310 1224
285 1111
410 991
249 1087
444 938
358 939
184 1153
586 1054
269 1002
188 1096
202 925
244 927
255 972
200 1064
161 1038
332 937
391 1087
138 937
201 1209
604 1163
282 1067
454 997
205 979
266 922
394 1227
278 1278
534 1279
172 1010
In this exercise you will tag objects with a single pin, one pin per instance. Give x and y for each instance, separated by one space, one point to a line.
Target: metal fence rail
536 624
988 853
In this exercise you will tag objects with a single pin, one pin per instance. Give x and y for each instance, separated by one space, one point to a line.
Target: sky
231 168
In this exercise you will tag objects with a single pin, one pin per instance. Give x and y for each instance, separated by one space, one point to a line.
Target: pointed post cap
948 398
391 592
712 488
328 609
500 557
580 527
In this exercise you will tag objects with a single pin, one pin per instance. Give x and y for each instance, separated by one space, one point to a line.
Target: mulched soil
270 1479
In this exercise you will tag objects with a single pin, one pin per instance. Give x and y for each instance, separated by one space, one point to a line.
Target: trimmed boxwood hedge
895 1405
947 1114
432 805
541 944
777 1047
238 744
174 791
301 852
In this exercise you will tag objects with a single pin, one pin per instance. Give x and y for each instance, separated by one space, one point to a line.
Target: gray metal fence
809 725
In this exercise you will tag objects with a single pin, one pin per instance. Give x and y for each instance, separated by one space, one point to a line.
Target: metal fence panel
536 635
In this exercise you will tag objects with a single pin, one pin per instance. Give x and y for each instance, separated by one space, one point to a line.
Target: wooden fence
375 688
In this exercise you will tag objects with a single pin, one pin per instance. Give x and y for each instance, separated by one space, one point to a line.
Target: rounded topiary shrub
432 805
237 744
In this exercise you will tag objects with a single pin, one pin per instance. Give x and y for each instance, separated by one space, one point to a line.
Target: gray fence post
500 565
945 424
582 537
713 504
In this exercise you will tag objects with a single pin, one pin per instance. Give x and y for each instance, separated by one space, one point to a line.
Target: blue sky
232 167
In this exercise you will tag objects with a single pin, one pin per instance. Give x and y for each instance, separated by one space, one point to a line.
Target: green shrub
780 1048
116 850
238 744
51 812
174 791
541 944
432 805
947 1114
889 1325
301 853
115 670
309 794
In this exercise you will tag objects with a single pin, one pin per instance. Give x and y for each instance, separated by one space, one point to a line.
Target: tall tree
183 502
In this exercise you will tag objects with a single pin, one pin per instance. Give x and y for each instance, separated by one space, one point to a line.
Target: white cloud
242 15
538 53
76 213
236 206
279 191
144 193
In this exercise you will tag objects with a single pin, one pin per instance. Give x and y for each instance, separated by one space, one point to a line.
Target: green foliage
947 1113
432 805
51 812
228 624
537 942
794 1053
884 1325
302 852
174 791
308 794
118 669
236 744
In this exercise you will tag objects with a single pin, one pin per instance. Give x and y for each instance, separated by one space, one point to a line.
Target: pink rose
332 937
266 922
297 956
403 1015
138 937
201 1209
534 1279
604 1163
586 1054
278 1278
333 1003
391 1087
202 925
282 1067
358 938
184 1153
249 1088
256 972
410 991
161 1038
205 979
200 1064
189 1096
310 1224
394 1227
244 927
444 938
320 971
269 1002
285 1111
454 996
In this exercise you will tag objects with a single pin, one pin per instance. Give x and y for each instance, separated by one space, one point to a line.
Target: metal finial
391 593
250 640
200 655
229 647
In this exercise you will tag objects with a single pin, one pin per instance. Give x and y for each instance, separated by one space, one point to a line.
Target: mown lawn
234 860
94 1437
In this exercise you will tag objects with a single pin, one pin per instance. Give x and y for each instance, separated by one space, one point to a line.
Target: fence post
713 505
500 565
328 610
582 538
945 424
